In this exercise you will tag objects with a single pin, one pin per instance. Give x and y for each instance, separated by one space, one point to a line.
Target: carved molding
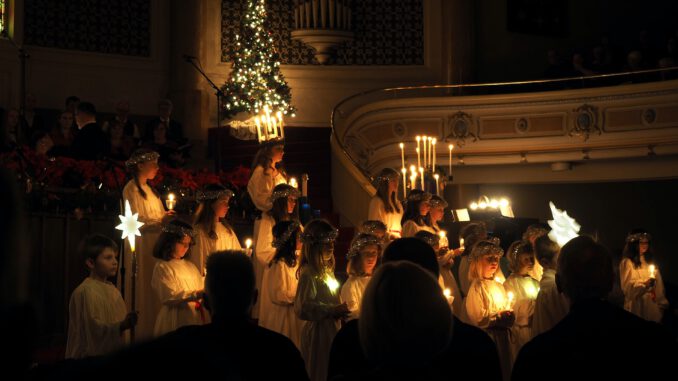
585 122
459 128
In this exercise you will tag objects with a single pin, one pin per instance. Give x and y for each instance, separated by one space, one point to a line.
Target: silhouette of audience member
160 143
469 350
405 324
175 131
63 134
17 315
90 142
122 145
231 347
596 339
42 143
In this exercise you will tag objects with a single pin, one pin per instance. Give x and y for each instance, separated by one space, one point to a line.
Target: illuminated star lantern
563 227
129 224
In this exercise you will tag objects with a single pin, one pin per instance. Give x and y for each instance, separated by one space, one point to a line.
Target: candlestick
402 154
425 139
418 151
449 173
433 153
421 173
437 177
171 201
413 179
404 171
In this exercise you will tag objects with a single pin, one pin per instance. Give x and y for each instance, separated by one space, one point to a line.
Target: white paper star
563 227
129 224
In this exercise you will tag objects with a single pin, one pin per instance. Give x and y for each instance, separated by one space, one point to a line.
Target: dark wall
608 210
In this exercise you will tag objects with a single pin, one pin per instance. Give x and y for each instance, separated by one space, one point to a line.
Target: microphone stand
219 94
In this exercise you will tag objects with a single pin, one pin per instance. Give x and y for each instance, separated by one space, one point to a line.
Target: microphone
187 57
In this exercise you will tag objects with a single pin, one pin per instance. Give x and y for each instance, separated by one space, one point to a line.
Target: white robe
410 228
263 254
377 211
550 307
260 187
352 293
637 299
485 299
204 245
281 289
175 281
151 211
95 312
313 304
525 290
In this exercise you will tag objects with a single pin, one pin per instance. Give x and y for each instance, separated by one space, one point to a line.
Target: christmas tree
255 80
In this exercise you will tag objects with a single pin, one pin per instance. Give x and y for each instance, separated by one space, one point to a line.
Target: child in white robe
416 213
284 208
212 231
551 305
472 233
384 206
362 257
487 304
97 316
177 281
533 232
641 280
144 200
317 302
524 289
281 283
267 172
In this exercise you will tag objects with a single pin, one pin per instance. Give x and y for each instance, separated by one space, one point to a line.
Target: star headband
518 248
484 248
363 240
327 237
387 176
371 226
291 191
138 159
279 242
424 196
437 202
430 238
638 236
202 196
178 230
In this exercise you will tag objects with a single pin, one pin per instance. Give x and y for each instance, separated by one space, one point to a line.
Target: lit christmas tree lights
256 80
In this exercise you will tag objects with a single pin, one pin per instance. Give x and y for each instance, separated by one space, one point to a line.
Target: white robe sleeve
478 307
138 204
200 250
232 241
263 245
307 304
281 288
167 287
351 294
410 228
376 210
260 188
631 284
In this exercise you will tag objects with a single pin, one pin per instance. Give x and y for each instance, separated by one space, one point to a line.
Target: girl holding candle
213 232
643 291
362 259
487 302
281 282
317 302
416 213
267 172
283 208
472 234
144 200
384 206
177 281
525 288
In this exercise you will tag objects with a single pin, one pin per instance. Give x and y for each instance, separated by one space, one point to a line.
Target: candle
509 302
402 154
443 239
461 243
304 185
256 121
425 139
171 201
449 173
437 177
404 171
280 124
413 181
448 296
421 173
418 156
331 283
248 245
652 271
433 153
293 182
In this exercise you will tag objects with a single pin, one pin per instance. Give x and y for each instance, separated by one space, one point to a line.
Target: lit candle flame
653 269
248 243
331 283
293 182
171 201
